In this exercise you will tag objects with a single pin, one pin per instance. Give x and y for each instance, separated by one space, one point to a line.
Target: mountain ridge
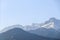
49 29
19 34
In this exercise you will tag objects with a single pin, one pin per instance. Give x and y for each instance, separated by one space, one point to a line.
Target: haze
26 12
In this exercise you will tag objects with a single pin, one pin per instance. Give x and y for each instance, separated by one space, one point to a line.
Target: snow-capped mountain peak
50 28
52 23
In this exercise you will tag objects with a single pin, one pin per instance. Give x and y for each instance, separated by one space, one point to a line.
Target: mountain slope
50 28
19 34
51 33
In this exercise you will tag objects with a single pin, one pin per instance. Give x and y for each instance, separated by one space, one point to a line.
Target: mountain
19 34
26 28
11 27
44 31
52 23
50 28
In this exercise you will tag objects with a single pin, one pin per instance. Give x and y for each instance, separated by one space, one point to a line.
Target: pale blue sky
26 12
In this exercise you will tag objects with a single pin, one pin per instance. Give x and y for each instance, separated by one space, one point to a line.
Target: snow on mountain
52 23
11 27
50 28
34 26
48 25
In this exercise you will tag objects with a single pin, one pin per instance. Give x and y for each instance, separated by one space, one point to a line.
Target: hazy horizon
26 12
